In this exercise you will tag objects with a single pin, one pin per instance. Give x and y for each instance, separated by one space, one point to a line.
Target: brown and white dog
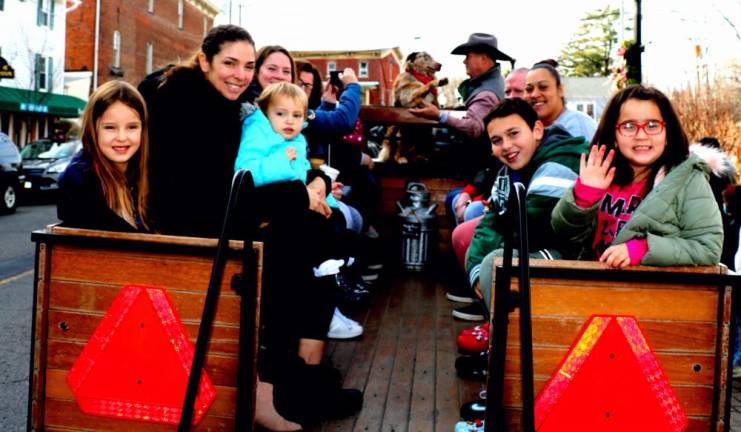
412 88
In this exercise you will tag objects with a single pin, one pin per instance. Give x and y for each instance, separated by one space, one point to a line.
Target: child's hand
337 190
317 186
477 290
616 256
464 199
594 170
318 202
291 153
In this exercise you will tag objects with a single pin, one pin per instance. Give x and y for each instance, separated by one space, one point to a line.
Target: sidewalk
736 406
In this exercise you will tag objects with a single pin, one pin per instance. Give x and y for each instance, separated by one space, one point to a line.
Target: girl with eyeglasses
643 195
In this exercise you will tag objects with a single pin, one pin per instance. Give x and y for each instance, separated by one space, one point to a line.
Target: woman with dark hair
309 79
274 64
194 132
544 90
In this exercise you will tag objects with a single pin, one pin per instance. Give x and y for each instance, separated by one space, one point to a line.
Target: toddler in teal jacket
272 146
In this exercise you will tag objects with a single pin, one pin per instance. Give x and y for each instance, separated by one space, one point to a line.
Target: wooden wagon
404 361
79 273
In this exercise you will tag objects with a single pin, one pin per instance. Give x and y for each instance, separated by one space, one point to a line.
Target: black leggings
294 304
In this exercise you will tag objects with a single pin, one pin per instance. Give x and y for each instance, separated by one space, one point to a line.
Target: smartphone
334 79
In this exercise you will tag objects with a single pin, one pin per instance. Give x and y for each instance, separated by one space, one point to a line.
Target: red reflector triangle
136 364
609 380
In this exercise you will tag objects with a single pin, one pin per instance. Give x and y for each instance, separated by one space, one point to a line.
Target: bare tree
32 58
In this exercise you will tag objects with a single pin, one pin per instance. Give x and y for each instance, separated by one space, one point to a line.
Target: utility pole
639 47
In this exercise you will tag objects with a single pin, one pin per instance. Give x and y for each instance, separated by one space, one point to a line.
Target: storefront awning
20 100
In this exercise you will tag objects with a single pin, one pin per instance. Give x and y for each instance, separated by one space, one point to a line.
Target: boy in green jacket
546 161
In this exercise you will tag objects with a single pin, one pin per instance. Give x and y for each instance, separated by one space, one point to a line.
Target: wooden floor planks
404 362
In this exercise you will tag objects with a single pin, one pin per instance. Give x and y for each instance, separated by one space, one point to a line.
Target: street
16 290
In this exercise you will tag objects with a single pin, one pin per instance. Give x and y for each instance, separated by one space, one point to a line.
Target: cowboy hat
482 42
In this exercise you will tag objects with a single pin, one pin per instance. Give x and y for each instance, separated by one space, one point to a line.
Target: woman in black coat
195 130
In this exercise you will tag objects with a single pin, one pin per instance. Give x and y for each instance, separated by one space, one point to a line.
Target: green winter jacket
679 217
552 170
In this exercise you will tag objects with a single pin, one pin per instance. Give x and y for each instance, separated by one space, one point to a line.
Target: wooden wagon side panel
685 324
38 346
81 282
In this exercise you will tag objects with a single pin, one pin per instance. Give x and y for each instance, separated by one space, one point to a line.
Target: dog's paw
384 154
402 160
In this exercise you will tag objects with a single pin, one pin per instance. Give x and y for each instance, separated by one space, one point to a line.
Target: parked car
42 172
10 174
34 148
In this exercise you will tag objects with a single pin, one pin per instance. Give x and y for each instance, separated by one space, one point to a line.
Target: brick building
135 37
376 69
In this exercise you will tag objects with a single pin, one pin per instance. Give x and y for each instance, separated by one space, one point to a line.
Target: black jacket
81 201
194 135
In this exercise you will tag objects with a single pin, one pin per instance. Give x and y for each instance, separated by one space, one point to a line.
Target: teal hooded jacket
263 152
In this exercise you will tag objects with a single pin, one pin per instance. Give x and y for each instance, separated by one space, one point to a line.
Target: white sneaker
343 327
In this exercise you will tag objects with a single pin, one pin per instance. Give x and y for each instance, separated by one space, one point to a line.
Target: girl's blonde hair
285 89
115 183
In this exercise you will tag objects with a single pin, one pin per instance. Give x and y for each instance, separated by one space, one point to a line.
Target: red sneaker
474 339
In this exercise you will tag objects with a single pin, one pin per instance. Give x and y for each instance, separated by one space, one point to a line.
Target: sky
528 30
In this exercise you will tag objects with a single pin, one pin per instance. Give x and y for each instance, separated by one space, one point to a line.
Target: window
150 6
362 69
45 13
587 108
331 66
150 58
181 11
49 75
116 49
43 73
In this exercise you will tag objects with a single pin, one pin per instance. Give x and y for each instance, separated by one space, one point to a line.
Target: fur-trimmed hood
718 161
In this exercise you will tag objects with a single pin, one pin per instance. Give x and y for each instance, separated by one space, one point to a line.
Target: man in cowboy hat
481 92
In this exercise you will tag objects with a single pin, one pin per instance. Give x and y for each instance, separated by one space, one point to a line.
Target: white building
32 44
588 94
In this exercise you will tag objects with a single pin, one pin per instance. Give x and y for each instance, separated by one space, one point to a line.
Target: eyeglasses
304 85
629 129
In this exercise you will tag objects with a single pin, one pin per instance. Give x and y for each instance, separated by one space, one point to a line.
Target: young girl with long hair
105 186
642 196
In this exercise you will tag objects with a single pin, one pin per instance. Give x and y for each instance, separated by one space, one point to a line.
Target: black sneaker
475 410
350 402
369 274
460 294
472 312
474 367
349 292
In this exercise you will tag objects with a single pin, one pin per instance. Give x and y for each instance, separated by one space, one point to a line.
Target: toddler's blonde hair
286 89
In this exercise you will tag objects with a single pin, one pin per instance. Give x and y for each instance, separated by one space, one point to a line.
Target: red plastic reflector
136 364
609 380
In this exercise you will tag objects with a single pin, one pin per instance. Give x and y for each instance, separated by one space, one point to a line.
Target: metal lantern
417 227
